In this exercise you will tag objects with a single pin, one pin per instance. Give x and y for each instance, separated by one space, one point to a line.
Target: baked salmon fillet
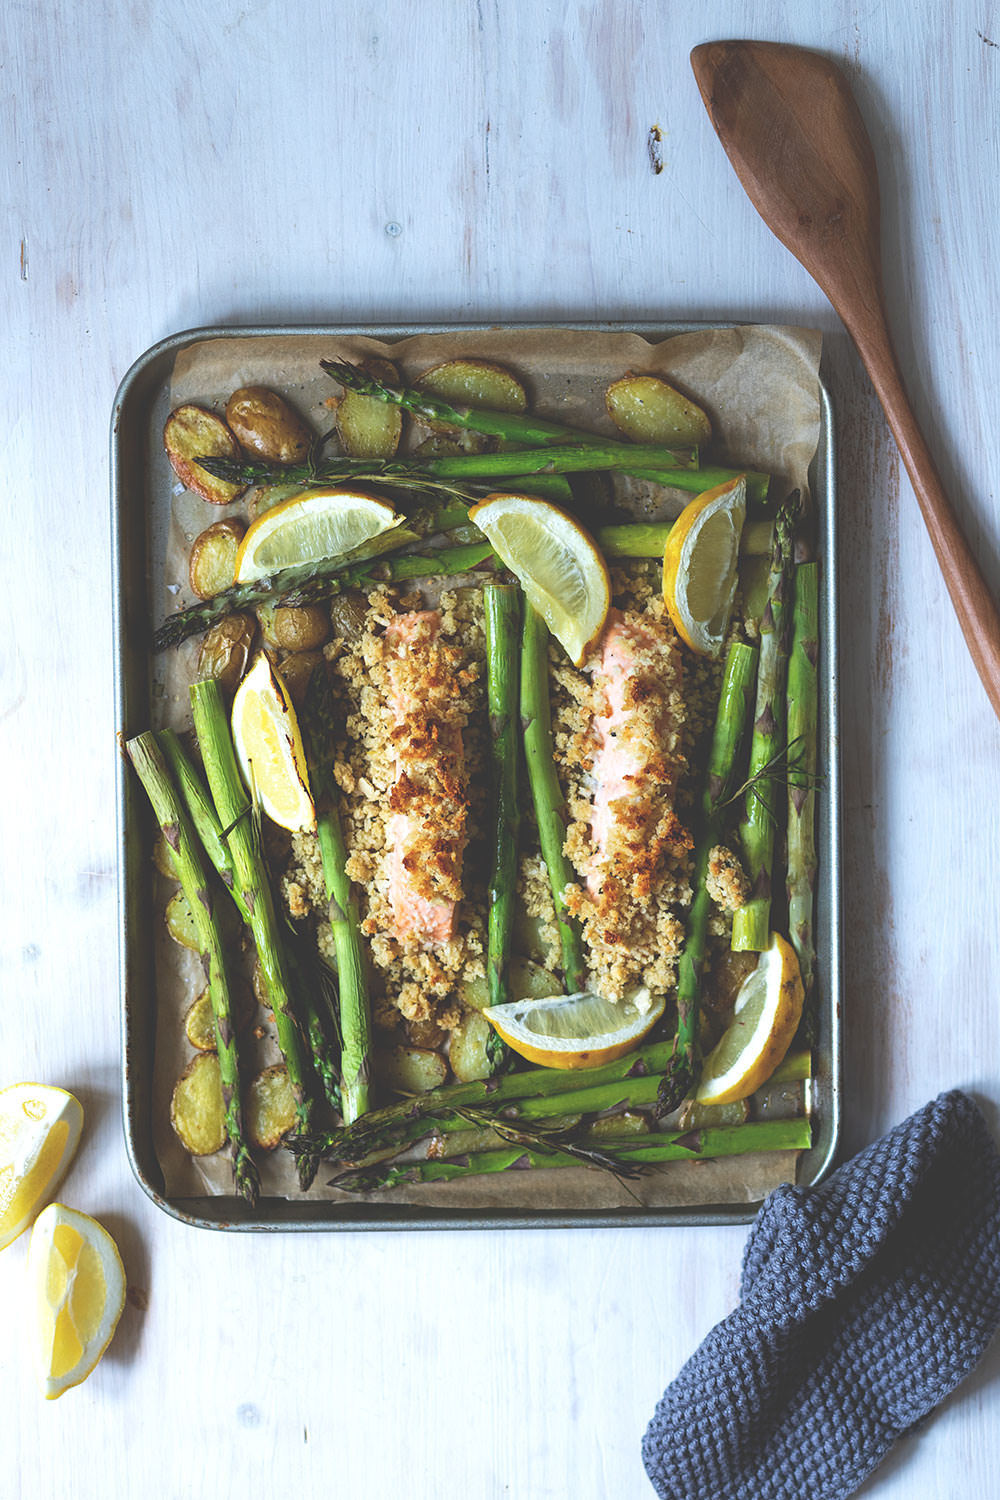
626 838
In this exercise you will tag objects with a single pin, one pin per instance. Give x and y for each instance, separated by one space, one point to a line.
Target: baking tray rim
297 1215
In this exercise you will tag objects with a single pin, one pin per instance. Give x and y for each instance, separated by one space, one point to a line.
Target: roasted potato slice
270 1107
225 651
197 1112
410 1070
476 383
694 1115
527 981
212 564
180 922
163 860
303 629
425 1033
192 432
296 671
199 1021
650 410
264 424
467 1049
348 613
366 426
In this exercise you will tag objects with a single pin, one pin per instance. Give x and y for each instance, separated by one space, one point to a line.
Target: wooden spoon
795 136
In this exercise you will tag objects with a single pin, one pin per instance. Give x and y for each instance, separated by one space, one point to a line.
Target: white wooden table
250 162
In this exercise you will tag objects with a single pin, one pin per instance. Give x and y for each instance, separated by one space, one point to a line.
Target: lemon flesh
557 563
78 1285
39 1132
575 1031
269 748
310 526
765 1018
700 565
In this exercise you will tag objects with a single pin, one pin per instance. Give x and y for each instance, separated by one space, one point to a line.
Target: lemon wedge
77 1283
767 1012
269 748
557 563
309 526
700 565
575 1031
39 1132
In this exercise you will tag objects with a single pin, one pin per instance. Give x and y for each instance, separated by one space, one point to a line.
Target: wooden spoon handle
974 605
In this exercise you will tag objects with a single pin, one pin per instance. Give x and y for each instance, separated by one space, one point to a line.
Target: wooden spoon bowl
796 139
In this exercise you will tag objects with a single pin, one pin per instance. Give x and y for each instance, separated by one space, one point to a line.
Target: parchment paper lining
760 387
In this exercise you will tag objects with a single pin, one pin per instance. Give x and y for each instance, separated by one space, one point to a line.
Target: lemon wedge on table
269 747
39 1132
557 563
700 563
575 1031
309 526
77 1286
765 1018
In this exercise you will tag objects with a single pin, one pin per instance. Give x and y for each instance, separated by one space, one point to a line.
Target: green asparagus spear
384 1128
731 721
648 538
154 774
502 612
549 804
528 431
802 710
438 562
628 1153
235 812
752 921
355 1014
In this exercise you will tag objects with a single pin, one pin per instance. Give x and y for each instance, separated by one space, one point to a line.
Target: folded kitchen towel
864 1301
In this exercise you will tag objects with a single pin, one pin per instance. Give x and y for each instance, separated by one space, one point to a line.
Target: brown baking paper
760 387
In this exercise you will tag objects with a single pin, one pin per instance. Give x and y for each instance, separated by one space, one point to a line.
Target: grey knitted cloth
864 1301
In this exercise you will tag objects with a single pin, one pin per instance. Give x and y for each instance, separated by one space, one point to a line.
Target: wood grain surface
249 162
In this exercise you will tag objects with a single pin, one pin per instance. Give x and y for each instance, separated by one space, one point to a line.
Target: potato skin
303 629
225 651
191 432
264 424
212 564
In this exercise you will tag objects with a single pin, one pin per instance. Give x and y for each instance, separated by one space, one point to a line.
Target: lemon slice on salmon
700 563
557 563
575 1031
765 1018
269 748
315 524
39 1132
77 1284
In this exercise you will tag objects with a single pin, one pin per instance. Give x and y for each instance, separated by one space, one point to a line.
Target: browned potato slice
266 425
197 1112
467 1050
476 383
694 1115
348 613
303 629
192 432
180 922
270 1107
527 980
410 1070
212 564
425 1033
296 673
629 1122
163 860
649 410
366 426
199 1022
225 651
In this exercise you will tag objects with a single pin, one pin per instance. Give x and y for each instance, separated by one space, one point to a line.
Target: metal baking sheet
141 405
